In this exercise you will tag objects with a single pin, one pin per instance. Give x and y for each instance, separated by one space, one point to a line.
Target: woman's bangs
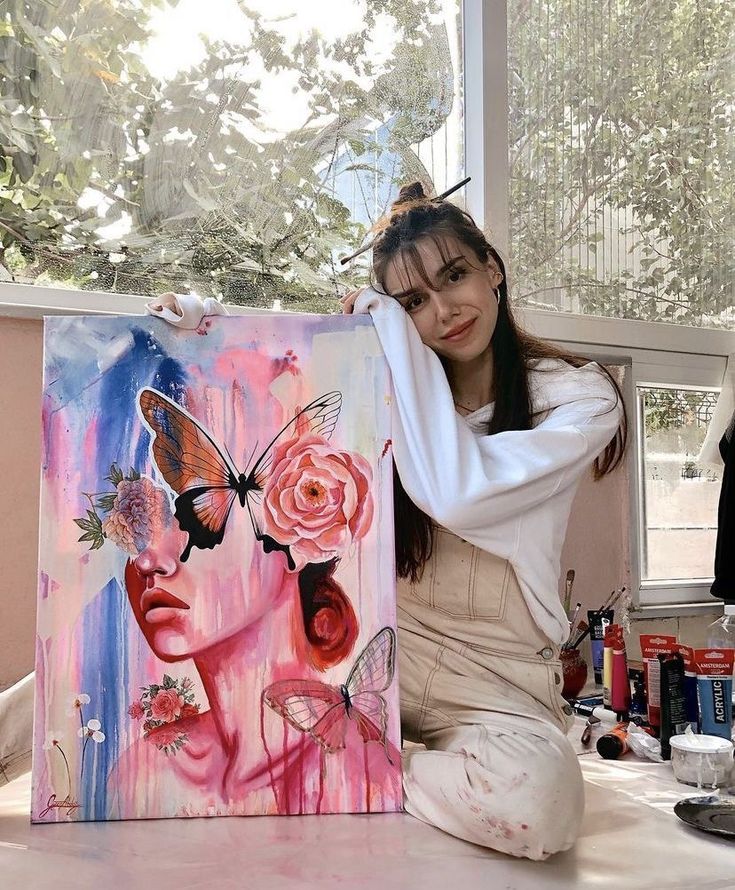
410 266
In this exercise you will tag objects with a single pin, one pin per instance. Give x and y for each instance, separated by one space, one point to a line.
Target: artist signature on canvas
68 804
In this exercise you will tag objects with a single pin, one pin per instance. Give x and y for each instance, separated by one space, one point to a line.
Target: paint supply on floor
607 653
598 621
714 685
620 684
673 703
614 743
690 686
653 645
701 760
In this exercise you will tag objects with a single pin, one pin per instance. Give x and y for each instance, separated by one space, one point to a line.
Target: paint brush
587 733
609 603
568 591
365 247
572 621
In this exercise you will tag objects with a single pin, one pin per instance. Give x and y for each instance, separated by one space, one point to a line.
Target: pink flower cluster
164 706
139 508
317 500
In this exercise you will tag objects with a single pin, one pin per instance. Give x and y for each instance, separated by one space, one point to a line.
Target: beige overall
481 690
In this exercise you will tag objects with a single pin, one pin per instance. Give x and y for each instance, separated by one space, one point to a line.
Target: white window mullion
486 118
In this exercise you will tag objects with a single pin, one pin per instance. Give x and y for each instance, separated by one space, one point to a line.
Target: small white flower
91 731
53 739
81 698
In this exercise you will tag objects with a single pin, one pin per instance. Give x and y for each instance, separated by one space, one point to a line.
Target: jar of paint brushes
574 672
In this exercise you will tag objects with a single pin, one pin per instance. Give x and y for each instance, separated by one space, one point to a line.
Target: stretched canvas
216 605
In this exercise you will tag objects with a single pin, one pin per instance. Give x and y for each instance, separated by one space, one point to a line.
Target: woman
493 429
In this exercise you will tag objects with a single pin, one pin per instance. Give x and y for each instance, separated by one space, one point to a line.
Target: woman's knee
537 805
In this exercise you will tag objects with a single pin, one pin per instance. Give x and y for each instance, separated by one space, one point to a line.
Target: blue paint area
121 437
105 678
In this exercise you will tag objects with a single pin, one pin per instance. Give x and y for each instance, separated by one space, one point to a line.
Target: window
621 158
619 230
680 497
148 147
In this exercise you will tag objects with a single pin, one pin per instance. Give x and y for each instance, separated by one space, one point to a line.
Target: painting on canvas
216 605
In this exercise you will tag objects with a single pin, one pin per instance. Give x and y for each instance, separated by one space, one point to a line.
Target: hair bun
410 193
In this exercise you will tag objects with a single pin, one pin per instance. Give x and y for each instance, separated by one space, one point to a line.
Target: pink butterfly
325 711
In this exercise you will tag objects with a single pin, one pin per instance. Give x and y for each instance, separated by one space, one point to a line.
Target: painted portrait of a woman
255 671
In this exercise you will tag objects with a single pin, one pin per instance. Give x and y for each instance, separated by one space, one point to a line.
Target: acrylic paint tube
690 685
614 743
673 702
598 621
620 691
652 645
714 684
607 642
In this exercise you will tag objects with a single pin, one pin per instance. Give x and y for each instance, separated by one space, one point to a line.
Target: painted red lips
158 598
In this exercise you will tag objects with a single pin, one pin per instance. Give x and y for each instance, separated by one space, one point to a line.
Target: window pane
622 158
679 497
234 149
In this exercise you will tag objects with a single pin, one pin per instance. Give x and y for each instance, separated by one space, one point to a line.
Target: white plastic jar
701 760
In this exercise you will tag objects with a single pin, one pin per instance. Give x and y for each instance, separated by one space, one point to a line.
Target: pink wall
21 348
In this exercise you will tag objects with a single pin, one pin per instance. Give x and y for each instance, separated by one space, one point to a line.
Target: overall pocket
463 581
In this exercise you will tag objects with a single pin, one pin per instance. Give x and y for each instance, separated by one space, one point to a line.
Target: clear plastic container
701 760
721 633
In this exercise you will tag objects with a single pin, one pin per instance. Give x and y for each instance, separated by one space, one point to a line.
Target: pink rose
317 500
167 705
136 710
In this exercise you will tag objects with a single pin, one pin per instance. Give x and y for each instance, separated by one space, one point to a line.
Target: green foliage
216 203
622 115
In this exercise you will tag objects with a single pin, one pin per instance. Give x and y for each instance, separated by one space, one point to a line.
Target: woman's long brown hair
415 217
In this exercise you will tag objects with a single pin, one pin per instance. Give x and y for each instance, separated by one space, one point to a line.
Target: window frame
659 353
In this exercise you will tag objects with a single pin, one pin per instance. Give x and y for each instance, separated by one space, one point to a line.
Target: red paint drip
268 758
284 761
322 769
366 761
302 748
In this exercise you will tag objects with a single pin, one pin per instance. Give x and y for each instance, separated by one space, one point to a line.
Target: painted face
186 608
456 317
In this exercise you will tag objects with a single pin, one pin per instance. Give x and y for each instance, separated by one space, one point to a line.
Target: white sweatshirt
509 493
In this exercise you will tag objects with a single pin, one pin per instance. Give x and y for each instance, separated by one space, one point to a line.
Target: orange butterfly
204 477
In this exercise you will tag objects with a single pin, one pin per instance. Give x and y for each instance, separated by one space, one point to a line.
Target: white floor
631 840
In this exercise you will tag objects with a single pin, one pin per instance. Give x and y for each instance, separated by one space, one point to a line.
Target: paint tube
607 651
620 691
653 645
673 703
638 699
588 710
714 684
598 621
690 685
614 743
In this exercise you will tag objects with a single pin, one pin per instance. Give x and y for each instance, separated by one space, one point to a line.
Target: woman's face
186 608
456 317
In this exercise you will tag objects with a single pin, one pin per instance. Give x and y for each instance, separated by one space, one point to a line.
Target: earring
496 291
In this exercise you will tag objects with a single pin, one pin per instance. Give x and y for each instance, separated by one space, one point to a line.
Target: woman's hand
348 300
168 300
